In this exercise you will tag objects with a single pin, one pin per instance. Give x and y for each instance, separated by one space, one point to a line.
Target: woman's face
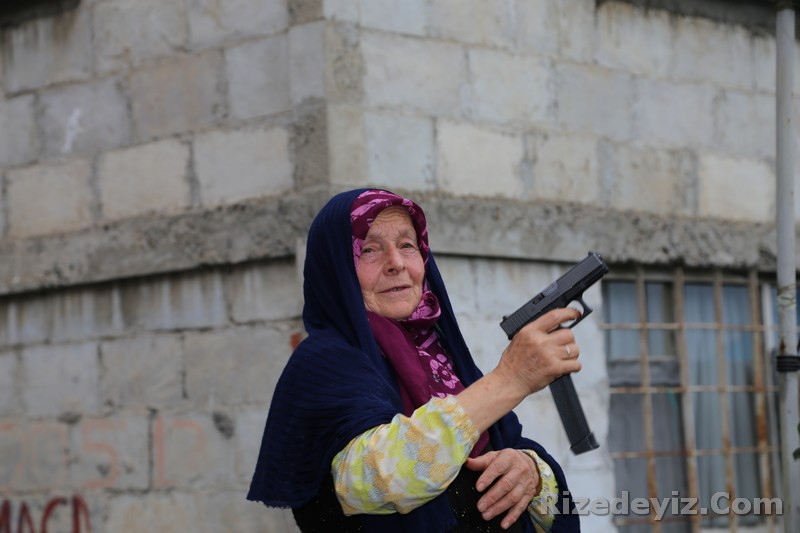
390 270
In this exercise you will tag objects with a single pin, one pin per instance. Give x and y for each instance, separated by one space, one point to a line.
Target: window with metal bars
692 393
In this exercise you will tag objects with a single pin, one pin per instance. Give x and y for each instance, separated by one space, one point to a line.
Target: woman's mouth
397 289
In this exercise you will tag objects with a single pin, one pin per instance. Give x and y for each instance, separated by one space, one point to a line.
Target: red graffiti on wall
26 524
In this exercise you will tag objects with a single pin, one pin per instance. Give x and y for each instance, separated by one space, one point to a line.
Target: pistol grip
581 438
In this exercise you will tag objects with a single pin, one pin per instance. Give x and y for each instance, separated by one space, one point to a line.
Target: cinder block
565 167
304 11
25 321
34 456
228 512
674 114
344 78
604 109
239 164
193 451
250 422
487 22
269 291
472 160
61 187
342 10
177 96
736 188
48 50
195 300
258 77
395 76
111 453
591 481
400 150
765 64
234 366
307 61
9 392
85 118
508 88
485 339
634 40
346 145
212 22
746 123
83 313
19 140
540 421
60 378
395 16
459 276
312 141
647 179
142 371
3 216
161 30
156 511
708 51
144 179
537 26
500 280
220 512
577 30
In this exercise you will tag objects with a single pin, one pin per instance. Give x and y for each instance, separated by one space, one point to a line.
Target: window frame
767 448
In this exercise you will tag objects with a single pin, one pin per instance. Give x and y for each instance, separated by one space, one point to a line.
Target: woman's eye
407 245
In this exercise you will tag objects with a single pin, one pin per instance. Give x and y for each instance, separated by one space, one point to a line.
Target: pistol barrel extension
566 289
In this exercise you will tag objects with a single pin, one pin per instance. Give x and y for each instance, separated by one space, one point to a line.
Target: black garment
323 514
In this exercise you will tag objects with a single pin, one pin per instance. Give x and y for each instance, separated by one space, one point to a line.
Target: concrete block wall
646 101
139 405
149 149
124 108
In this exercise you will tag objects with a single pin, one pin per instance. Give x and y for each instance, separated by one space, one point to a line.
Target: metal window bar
647 404
760 396
687 412
762 387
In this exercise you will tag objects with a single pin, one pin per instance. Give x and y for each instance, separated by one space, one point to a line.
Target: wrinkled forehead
391 222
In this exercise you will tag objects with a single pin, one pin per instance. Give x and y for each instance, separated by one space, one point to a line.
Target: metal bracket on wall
787 363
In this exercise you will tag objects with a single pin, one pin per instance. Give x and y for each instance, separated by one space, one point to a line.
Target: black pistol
566 289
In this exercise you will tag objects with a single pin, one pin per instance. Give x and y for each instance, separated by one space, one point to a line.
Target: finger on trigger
555 317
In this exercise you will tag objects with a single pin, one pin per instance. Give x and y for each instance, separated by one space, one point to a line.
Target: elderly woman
381 421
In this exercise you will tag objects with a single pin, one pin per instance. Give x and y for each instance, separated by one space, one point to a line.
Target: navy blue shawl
337 385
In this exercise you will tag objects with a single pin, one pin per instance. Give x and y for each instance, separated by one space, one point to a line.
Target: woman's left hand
514 481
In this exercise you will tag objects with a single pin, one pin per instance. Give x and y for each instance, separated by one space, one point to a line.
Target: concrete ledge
565 232
269 228
158 244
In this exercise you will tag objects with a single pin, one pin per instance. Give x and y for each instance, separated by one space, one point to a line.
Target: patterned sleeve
542 507
399 466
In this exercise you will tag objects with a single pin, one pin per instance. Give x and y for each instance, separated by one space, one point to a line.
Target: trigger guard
585 311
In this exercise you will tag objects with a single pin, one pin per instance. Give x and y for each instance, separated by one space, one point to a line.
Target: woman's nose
394 260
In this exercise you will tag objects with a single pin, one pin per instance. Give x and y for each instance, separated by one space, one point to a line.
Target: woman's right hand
538 354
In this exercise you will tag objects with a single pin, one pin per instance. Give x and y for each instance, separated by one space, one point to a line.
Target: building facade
161 161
